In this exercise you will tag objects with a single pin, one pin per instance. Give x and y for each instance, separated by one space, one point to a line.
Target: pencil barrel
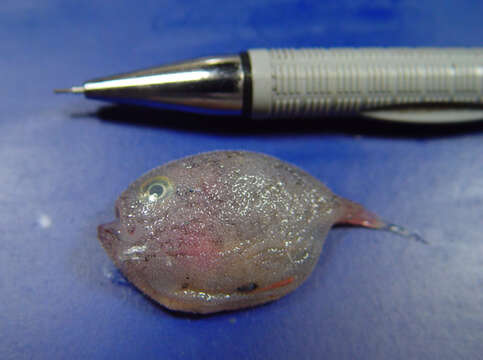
314 82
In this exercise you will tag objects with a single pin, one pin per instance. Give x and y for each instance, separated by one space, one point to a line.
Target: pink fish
225 230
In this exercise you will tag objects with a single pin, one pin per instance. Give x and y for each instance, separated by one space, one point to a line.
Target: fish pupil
156 189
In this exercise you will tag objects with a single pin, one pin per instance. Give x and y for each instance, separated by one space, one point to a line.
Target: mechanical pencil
424 85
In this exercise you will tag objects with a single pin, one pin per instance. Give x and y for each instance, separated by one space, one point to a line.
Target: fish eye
156 188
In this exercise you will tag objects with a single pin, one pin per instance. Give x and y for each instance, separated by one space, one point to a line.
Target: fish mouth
109 236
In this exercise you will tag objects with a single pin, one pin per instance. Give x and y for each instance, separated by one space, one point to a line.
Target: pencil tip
72 90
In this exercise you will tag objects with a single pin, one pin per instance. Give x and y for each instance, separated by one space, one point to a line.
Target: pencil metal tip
72 90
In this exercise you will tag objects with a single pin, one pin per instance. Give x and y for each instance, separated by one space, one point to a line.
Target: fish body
223 230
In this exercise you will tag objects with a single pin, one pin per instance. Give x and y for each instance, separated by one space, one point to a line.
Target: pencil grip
313 82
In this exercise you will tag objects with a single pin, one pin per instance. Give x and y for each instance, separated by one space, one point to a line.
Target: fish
225 230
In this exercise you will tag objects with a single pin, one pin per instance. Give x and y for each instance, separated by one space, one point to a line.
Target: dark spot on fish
247 288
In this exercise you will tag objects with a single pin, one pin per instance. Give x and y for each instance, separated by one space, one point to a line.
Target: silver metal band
211 85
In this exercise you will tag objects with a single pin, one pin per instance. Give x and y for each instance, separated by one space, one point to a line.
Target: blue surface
64 160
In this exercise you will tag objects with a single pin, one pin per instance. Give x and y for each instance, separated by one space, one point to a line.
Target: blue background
64 160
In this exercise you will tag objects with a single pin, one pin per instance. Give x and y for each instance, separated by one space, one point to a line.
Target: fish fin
355 214
402 231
